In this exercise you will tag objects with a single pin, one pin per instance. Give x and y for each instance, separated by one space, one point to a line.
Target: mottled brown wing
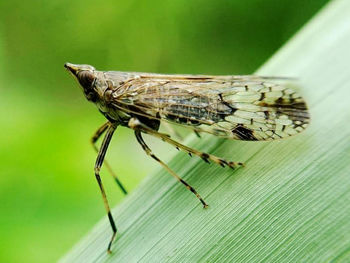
237 107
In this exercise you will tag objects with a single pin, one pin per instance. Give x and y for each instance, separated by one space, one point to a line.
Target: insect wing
237 107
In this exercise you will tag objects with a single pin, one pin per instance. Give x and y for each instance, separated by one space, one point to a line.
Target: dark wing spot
233 109
267 115
182 120
171 117
194 122
244 134
262 96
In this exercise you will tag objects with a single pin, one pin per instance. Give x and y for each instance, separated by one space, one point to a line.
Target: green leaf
291 203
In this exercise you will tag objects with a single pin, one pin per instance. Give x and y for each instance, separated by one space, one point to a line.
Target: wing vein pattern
236 107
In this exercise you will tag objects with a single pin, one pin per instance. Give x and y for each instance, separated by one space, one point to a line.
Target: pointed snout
75 69
72 68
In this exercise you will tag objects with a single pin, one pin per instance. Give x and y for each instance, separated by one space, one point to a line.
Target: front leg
94 139
99 161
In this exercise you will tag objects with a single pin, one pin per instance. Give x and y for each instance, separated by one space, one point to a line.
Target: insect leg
149 152
99 161
135 123
94 139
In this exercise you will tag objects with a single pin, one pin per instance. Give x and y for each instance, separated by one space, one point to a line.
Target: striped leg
94 139
136 124
149 152
99 161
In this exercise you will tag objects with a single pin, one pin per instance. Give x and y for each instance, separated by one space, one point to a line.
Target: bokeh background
48 195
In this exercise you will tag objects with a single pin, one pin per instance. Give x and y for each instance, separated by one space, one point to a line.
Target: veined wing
237 107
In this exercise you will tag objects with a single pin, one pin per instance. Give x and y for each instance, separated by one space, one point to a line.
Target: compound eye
86 79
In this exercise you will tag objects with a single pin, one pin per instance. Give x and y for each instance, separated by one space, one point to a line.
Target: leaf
291 203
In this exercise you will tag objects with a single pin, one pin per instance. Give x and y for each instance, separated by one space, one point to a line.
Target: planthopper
247 107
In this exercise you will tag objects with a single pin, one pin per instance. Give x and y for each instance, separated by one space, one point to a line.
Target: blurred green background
49 196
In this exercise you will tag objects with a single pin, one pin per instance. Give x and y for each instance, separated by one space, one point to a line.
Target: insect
249 108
